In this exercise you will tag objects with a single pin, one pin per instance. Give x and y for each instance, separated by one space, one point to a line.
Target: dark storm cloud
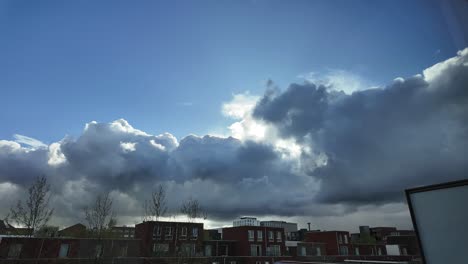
223 173
380 141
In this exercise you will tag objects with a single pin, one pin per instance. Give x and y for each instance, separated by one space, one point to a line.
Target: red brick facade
170 238
266 241
337 242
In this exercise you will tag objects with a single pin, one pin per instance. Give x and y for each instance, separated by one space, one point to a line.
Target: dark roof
5 225
75 225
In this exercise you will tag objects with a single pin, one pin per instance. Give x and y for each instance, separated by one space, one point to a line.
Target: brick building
23 248
256 240
381 233
122 231
305 249
337 242
290 229
361 249
407 244
170 238
77 230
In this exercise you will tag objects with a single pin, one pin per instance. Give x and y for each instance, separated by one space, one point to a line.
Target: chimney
308 225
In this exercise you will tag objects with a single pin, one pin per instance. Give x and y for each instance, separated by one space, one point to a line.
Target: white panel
393 250
441 218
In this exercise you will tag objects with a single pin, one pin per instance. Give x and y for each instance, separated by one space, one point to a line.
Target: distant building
305 249
170 238
5 228
362 249
403 245
290 229
122 232
337 242
257 241
380 233
34 248
76 231
246 221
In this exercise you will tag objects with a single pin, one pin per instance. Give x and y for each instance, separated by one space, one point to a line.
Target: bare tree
192 209
34 213
100 216
156 206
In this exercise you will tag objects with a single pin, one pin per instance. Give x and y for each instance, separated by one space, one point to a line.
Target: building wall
147 233
290 229
333 239
368 250
77 248
123 232
243 245
407 244
380 233
246 221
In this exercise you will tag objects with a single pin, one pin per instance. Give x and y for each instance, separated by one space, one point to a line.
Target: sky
327 109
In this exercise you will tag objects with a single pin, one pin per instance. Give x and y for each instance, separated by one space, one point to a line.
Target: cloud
309 152
28 141
379 142
339 80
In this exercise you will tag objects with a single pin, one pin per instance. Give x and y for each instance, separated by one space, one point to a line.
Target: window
278 236
340 239
63 253
255 250
270 236
379 251
345 239
184 231
356 251
302 251
251 235
343 250
259 235
15 250
319 251
404 252
123 251
168 231
98 251
195 232
160 249
208 250
187 249
274 250
156 231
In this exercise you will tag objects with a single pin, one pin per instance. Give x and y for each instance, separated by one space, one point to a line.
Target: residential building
404 244
380 233
5 228
337 242
290 229
219 248
257 240
33 248
246 221
160 238
123 231
305 249
363 249
76 231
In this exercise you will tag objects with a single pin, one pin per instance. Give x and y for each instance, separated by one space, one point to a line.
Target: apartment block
160 238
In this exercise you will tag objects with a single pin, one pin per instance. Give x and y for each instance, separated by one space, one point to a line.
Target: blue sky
169 66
